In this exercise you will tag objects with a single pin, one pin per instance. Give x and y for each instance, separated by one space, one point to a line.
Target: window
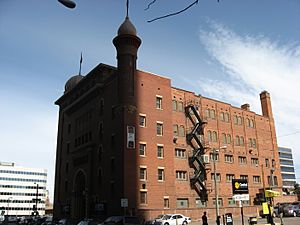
214 156
180 106
256 179
228 138
252 142
69 128
267 162
174 105
242 142
207 113
242 160
143 173
68 147
200 204
160 151
214 136
181 131
252 123
218 177
209 134
182 203
222 116
229 158
224 140
239 120
179 153
227 117
101 106
229 177
166 202
254 161
212 114
100 127
175 130
237 140
99 176
113 112
244 177
247 122
231 202
220 201
159 129
143 197
235 119
142 120
181 175
142 149
67 167
158 102
100 151
161 174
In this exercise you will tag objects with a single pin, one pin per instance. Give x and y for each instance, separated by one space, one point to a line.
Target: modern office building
129 142
287 170
20 187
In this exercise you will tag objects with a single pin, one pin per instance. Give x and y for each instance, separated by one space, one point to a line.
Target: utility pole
216 188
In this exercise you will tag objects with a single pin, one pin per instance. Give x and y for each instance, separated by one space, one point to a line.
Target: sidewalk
236 221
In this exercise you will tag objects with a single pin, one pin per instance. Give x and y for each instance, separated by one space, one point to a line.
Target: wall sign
239 186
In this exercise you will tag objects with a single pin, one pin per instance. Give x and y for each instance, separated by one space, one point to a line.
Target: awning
270 193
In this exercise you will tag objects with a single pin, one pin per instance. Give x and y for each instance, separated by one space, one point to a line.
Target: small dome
72 82
127 28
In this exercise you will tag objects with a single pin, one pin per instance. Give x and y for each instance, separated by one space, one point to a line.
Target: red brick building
124 134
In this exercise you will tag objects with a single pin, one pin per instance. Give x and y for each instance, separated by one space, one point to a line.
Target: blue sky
227 50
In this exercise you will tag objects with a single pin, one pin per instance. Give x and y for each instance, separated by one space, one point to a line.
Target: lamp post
8 200
215 151
36 199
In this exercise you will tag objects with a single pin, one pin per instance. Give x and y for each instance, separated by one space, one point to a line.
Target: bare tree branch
150 4
172 14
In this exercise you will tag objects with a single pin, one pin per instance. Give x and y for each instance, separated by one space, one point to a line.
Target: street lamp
8 200
36 199
215 151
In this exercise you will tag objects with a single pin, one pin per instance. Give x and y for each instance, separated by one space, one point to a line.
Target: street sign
124 202
239 186
244 197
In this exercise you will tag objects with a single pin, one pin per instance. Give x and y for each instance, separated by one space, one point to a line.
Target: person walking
204 219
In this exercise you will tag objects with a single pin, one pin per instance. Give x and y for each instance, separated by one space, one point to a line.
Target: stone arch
79 204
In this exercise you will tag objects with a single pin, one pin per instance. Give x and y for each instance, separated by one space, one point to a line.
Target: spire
127 7
80 62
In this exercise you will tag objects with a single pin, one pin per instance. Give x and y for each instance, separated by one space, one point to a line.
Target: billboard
239 186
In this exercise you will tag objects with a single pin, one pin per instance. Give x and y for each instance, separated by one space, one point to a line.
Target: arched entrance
80 196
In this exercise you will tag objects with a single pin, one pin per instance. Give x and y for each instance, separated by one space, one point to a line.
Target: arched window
239 120
212 113
222 116
242 142
175 130
224 141
227 117
174 105
248 122
235 119
228 138
181 131
214 136
237 140
209 135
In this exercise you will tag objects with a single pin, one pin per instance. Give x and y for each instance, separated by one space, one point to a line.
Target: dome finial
127 7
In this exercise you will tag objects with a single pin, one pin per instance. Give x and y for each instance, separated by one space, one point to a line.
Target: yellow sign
265 208
270 193
237 185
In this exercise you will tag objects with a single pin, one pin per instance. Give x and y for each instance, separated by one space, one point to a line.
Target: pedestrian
204 219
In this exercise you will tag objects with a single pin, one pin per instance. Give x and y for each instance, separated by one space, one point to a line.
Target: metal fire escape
196 159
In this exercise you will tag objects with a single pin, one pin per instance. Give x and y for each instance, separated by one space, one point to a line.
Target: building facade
287 170
20 187
129 142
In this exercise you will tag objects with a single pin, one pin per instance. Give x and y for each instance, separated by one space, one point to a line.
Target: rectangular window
142 149
256 179
161 174
166 202
143 173
229 158
267 162
214 157
200 204
254 161
182 202
142 120
181 175
158 102
231 202
179 153
160 151
229 177
244 177
220 201
159 129
218 177
143 197
242 160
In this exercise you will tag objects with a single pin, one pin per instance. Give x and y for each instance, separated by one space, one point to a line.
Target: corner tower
127 43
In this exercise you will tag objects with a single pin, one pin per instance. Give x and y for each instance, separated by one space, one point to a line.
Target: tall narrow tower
127 43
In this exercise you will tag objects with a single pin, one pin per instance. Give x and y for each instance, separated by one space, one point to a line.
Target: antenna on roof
80 64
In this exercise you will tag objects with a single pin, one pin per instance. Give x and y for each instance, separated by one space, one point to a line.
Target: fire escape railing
196 162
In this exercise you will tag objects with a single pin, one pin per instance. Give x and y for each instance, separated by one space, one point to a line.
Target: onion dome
127 28
72 82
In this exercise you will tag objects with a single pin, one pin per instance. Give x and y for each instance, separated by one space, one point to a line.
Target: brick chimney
266 106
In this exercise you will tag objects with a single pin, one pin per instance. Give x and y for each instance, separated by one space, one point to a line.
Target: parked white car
173 219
